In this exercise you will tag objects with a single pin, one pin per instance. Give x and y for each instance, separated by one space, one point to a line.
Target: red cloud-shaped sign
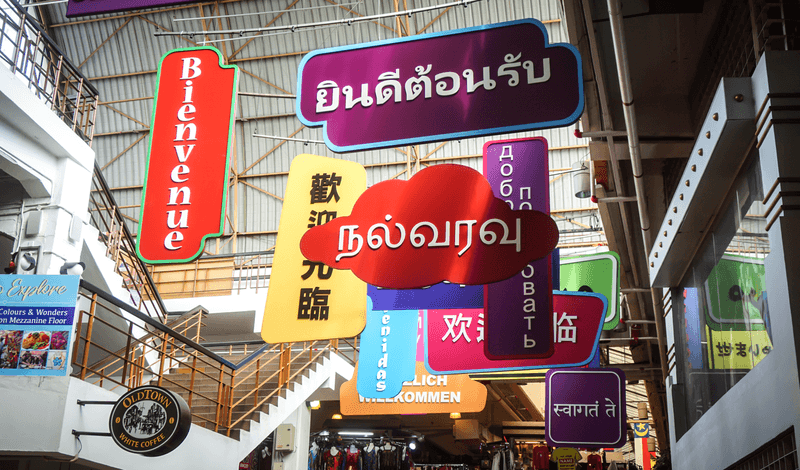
444 224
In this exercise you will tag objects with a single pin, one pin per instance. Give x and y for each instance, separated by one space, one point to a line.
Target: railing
118 346
213 275
36 59
121 248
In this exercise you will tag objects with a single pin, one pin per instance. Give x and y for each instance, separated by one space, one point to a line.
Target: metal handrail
126 244
152 349
48 72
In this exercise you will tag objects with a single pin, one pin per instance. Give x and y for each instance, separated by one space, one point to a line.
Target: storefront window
721 318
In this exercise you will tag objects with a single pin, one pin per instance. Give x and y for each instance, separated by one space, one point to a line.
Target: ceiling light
336 416
412 445
455 415
355 433
314 404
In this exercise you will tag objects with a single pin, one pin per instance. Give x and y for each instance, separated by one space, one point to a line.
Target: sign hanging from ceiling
518 309
307 300
415 89
186 184
462 234
595 273
96 7
585 408
426 393
150 421
454 338
387 352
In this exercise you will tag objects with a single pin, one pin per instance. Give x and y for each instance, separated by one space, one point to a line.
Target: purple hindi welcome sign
585 408
486 80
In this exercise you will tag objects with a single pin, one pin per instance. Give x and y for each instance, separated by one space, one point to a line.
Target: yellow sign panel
737 349
309 301
425 394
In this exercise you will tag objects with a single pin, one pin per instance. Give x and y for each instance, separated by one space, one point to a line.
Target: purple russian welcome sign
585 408
486 80
95 7
518 323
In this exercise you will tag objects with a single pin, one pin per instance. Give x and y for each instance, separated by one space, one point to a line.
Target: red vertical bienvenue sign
185 188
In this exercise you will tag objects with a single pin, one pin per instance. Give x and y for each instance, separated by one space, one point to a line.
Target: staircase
253 421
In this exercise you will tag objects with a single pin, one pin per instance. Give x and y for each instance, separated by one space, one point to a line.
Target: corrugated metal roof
121 54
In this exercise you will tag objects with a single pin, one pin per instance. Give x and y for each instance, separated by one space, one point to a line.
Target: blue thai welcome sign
37 315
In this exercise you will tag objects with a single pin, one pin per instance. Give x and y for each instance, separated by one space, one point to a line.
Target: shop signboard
37 314
585 408
426 393
306 299
415 89
454 338
595 273
96 7
736 313
387 354
461 234
518 308
150 421
186 184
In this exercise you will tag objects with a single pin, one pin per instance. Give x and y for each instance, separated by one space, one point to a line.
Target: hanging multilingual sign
387 355
150 421
585 408
96 7
462 234
186 184
597 272
306 299
426 393
518 309
454 338
382 88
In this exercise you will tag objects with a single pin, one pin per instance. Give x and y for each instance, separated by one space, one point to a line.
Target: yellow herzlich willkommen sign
310 301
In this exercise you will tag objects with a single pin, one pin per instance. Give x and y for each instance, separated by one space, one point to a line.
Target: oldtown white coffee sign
150 420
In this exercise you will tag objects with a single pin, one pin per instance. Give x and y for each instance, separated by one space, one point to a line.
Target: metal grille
780 454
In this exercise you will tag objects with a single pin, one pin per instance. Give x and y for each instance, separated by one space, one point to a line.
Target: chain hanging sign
463 234
186 184
415 89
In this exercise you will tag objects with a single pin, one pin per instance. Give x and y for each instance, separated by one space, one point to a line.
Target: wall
766 401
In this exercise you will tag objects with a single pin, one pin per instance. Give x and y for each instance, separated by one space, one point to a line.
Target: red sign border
231 130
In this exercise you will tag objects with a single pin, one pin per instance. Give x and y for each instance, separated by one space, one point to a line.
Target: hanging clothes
370 460
541 458
352 458
388 459
313 456
594 462
332 459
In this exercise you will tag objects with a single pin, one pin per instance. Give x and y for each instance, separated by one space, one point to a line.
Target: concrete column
298 458
776 90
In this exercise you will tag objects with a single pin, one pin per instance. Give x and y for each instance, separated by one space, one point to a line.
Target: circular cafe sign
150 421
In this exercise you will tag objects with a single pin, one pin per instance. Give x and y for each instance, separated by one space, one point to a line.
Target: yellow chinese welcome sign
309 301
427 393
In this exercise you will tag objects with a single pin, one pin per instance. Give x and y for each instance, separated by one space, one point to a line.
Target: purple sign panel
585 408
95 7
518 309
442 295
486 80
